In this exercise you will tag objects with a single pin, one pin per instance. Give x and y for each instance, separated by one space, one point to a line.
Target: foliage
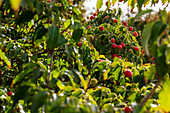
53 60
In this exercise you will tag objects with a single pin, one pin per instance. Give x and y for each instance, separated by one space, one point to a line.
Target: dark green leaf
78 31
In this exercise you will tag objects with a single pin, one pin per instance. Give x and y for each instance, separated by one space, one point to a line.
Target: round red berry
92 17
135 34
130 28
80 43
9 93
153 58
119 47
122 44
113 40
128 109
120 57
114 46
88 27
136 48
94 14
125 24
100 60
114 55
49 0
128 73
115 21
101 28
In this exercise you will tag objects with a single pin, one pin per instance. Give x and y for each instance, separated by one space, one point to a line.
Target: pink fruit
9 93
128 109
100 60
114 46
115 21
114 55
101 28
136 48
128 73
120 57
130 28
135 34
92 17
49 0
105 17
119 47
80 43
153 58
113 40
94 14
122 44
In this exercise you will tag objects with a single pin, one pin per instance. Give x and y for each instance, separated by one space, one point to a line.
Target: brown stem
65 29
150 94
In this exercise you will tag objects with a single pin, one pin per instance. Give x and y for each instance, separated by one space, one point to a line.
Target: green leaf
164 16
140 3
10 45
105 75
61 40
77 92
164 98
20 93
3 57
141 13
21 76
67 23
99 4
116 73
167 54
132 97
60 84
78 31
114 1
39 32
15 4
42 65
38 101
53 33
146 33
149 74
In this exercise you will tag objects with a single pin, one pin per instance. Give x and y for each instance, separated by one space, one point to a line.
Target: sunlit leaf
99 4
15 4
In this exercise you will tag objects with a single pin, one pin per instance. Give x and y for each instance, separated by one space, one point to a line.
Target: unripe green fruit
93 81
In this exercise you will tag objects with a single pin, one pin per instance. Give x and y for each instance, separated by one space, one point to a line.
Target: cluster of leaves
44 67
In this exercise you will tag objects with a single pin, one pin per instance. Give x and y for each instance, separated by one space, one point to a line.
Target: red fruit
49 0
114 46
9 93
101 28
92 17
80 43
100 60
128 109
88 27
105 17
94 14
143 51
113 40
128 73
119 47
120 0
115 21
120 57
153 58
136 48
107 3
0 72
114 55
125 24
130 28
135 34
122 44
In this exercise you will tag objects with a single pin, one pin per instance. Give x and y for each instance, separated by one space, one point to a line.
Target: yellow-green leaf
99 4
114 1
15 4
3 57
105 75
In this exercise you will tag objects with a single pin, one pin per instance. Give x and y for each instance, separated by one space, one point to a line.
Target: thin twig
150 94
65 29
52 55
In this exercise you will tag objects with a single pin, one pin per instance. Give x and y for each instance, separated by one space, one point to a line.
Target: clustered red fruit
130 28
92 17
128 73
125 24
136 48
9 93
49 0
80 43
114 55
114 46
115 21
128 109
101 28
94 14
119 47
135 34
113 40
122 44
